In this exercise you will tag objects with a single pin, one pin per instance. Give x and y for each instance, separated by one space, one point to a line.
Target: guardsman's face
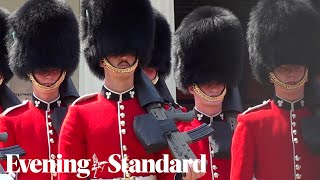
48 76
150 72
212 89
122 61
290 74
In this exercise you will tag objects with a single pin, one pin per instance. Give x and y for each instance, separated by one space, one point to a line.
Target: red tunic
216 168
96 126
31 128
267 144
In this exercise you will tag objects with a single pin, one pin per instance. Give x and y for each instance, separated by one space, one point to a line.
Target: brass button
125 156
51 132
298 176
128 175
53 156
215 175
294 132
214 167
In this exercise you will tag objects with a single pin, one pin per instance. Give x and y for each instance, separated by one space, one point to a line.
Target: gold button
297 158
124 147
50 124
295 140
51 140
49 116
294 116
123 123
123 131
122 115
121 107
294 124
298 167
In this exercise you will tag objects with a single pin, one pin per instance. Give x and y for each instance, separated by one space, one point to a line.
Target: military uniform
269 144
30 125
35 34
202 57
217 168
107 131
268 141
100 125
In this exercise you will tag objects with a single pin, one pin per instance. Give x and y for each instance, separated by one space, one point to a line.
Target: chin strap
274 79
119 70
156 79
1 80
209 98
46 88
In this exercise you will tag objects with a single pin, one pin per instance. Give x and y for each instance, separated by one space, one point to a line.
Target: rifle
157 129
9 150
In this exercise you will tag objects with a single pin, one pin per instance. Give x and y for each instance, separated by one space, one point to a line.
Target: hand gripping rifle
9 150
157 129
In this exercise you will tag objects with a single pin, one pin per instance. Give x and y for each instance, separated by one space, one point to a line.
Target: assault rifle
157 129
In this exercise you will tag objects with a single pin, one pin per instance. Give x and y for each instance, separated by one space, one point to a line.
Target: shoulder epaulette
256 107
14 107
83 98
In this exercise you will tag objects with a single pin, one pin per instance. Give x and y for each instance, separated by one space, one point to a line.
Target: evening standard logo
114 165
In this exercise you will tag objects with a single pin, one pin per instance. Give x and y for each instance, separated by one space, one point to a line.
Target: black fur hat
111 27
283 32
4 64
208 46
42 34
161 54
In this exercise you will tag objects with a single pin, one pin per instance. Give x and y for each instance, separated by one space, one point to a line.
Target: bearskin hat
283 32
161 53
112 27
43 34
316 4
208 46
4 64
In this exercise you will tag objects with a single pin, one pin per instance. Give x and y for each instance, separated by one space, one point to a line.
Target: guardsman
284 44
208 50
43 46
